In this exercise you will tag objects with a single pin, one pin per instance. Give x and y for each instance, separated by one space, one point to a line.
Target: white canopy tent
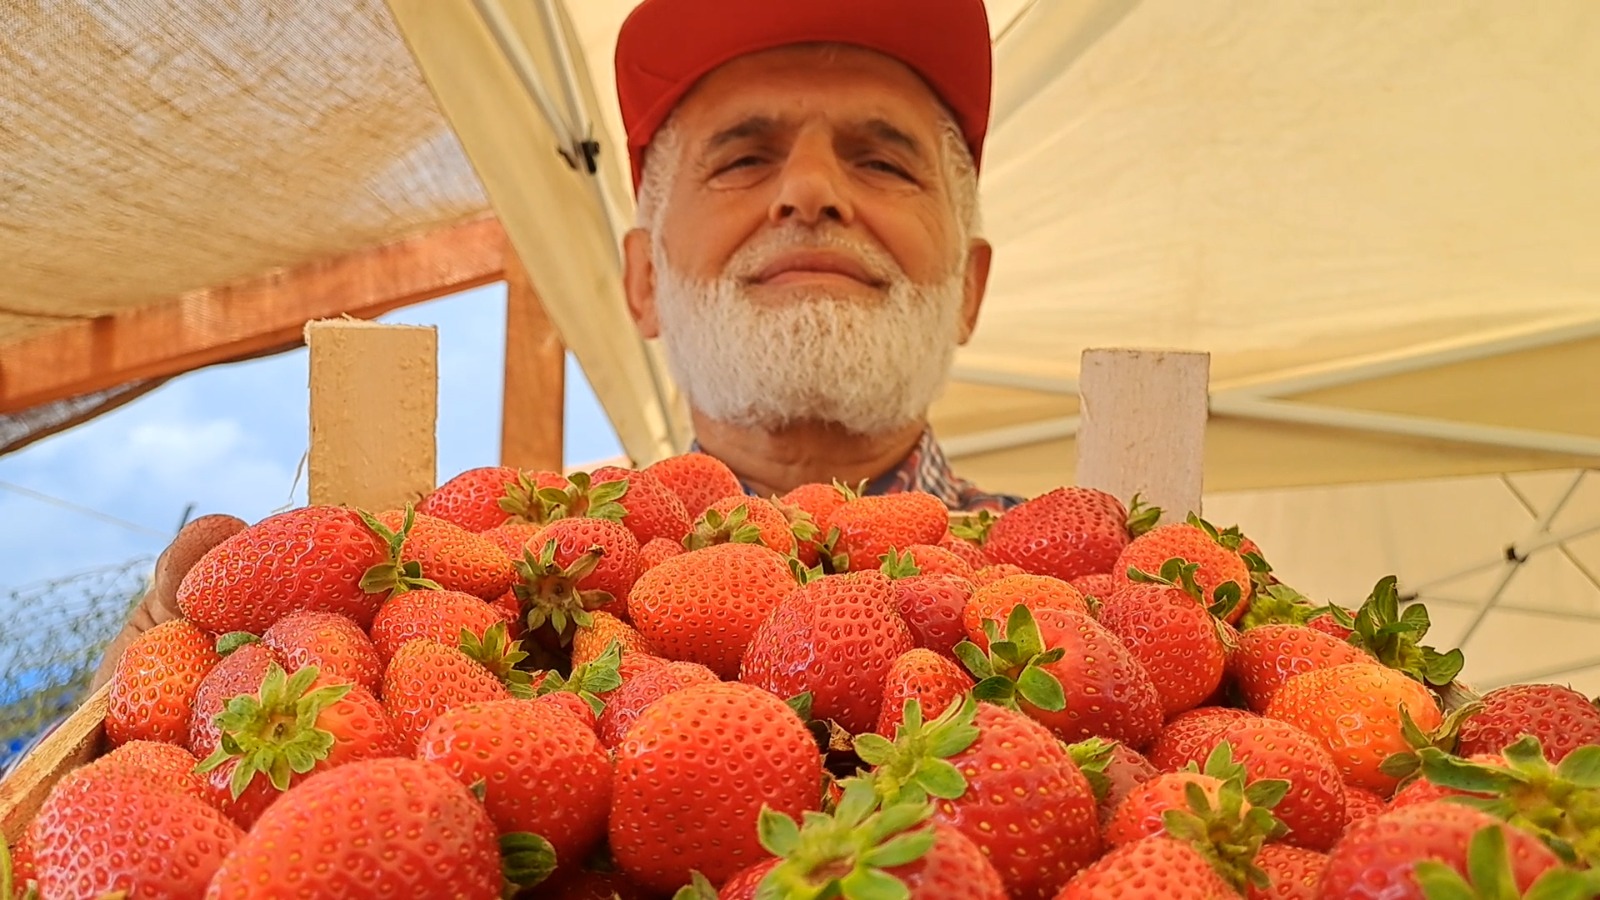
1379 219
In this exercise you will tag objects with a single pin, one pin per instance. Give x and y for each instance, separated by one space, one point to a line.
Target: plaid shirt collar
926 469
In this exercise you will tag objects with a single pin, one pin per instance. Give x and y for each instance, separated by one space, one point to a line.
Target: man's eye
742 162
887 167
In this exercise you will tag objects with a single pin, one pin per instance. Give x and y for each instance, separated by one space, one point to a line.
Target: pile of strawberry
644 683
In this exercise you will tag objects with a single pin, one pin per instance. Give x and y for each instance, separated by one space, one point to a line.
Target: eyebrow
762 125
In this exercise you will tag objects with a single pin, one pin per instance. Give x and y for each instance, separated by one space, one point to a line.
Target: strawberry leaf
1142 516
526 858
915 764
941 779
1450 771
998 690
1440 882
698 888
1582 767
1041 689
874 749
1093 756
777 832
974 659
974 528
873 884
226 644
801 704
898 851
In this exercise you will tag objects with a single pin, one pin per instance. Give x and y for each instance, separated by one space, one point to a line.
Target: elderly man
807 243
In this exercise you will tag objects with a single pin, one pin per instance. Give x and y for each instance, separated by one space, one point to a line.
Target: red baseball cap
666 46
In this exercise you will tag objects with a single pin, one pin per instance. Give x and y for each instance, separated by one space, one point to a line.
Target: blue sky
229 439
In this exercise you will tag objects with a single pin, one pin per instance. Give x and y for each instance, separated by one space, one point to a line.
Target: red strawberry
1068 532
315 557
1173 637
1194 543
575 566
749 520
698 480
484 498
994 572
1326 702
1377 857
652 509
637 693
513 537
705 605
240 672
432 552
927 559
544 771
1190 736
657 551
935 681
22 867
589 641
591 884
104 829
1100 585
1140 815
1293 873
155 683
1360 803
1156 868
1113 770
1421 790
289 727
438 616
835 638
162 765
1329 625
931 606
1269 655
969 551
333 643
1022 799
869 527
571 704
995 601
424 679
1313 809
665 823
819 500
1561 718
379 828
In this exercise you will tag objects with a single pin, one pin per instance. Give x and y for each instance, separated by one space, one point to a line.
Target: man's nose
812 186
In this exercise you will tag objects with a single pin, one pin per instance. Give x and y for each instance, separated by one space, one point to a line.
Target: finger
192 542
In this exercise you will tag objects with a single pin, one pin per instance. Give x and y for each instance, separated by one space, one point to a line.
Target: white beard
867 366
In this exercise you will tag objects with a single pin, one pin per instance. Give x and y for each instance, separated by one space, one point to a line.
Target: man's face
808 262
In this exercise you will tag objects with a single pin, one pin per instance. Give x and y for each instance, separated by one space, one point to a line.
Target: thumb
193 541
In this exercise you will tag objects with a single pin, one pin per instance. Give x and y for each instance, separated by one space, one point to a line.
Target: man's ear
639 281
977 282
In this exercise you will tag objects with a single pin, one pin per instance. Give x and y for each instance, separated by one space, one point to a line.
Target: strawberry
1231 808
1174 637
154 685
438 616
869 527
1324 703
424 679
544 771
484 498
1193 542
377 828
1491 871
1100 585
1562 719
575 566
749 520
315 557
1001 779
995 601
1068 532
273 737
512 537
664 822
1113 770
1140 814
834 638
434 553
105 829
1190 736
160 764
931 606
637 693
967 551
1157 868
657 551
818 500
590 884
19 879
861 849
924 559
934 681
1330 623
1421 790
589 641
1313 809
239 672
994 572
697 479
333 643
1377 857
1360 803
1065 670
1295 873
1268 655
705 605
580 691
651 509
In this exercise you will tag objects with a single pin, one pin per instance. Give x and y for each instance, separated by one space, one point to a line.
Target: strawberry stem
845 853
275 731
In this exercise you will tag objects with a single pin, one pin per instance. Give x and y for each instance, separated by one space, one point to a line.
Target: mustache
757 253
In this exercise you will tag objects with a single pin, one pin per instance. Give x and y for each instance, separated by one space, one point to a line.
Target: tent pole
984 375
962 445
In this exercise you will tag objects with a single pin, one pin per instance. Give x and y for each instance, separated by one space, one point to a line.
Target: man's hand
160 602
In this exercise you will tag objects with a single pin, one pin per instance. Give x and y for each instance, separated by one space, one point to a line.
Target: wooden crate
79 739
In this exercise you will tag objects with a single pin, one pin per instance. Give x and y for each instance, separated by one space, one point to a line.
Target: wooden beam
533 410
79 739
374 413
263 315
1143 425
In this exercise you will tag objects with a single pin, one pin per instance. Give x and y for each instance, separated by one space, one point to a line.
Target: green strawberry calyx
395 574
1406 765
1093 756
275 732
899 565
1490 875
228 643
1231 833
1558 803
1179 573
1014 665
9 889
1142 516
1279 604
582 498
698 888
526 859
974 528
523 503
847 853
500 655
1394 637
601 675
713 527
915 765
550 592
